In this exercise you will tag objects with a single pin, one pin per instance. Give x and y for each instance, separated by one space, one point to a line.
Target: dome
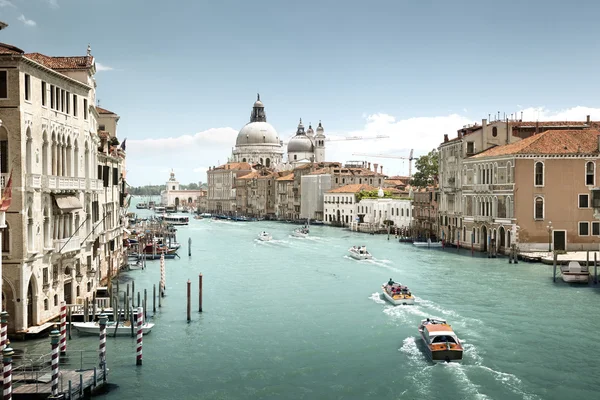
257 133
300 144
259 104
320 130
310 131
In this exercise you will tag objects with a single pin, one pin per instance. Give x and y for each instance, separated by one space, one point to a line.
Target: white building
306 146
340 204
258 141
54 240
375 211
174 196
313 189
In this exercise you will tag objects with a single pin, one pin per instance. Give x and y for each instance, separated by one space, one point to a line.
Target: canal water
298 319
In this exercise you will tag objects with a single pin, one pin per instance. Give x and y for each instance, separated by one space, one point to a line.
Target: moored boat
575 273
301 232
265 237
428 243
442 344
141 206
176 219
359 253
112 329
397 294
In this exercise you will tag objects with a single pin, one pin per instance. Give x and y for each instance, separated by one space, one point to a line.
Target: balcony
481 188
482 218
3 180
67 245
34 181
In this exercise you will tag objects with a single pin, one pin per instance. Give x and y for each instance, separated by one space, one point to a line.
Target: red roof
353 188
76 62
577 141
103 111
9 49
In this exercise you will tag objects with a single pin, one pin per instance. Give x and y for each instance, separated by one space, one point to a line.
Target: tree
427 169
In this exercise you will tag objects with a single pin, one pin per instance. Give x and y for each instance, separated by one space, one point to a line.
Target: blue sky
190 70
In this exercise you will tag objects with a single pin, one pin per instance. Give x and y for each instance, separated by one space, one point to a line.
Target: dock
84 383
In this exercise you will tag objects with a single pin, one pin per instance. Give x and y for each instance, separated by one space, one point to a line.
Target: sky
183 75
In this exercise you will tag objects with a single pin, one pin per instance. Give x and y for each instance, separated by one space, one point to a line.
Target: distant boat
141 206
397 294
428 244
265 237
122 329
359 253
575 273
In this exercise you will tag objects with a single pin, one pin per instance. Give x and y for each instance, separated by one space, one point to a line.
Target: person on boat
391 282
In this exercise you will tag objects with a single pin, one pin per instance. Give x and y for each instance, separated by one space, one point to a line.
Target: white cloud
150 160
102 67
52 3
27 22
6 3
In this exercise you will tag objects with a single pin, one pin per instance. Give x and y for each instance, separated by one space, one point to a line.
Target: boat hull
570 277
399 301
299 234
441 356
429 245
93 328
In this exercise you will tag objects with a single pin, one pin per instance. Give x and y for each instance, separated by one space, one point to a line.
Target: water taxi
359 253
397 294
141 206
442 344
575 273
112 328
265 237
176 219
301 232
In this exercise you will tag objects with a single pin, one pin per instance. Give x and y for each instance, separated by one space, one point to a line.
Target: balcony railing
67 245
482 218
3 180
34 181
481 188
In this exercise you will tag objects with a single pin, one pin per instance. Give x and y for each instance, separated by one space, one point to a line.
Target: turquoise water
298 319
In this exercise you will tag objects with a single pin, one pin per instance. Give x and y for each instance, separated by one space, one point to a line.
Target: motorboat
442 344
301 232
123 328
205 215
265 237
575 273
176 219
359 253
141 206
397 294
428 244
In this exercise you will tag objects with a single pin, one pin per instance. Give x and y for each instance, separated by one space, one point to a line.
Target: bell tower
320 144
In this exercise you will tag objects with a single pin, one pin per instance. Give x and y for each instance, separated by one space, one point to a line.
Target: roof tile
61 63
354 188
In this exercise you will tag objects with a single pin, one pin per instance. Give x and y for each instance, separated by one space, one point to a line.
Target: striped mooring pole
54 339
140 318
3 329
63 328
7 354
102 321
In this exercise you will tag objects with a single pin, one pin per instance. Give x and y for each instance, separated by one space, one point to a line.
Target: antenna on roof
89 50
98 101
521 116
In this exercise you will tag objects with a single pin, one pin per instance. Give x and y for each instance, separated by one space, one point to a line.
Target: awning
67 203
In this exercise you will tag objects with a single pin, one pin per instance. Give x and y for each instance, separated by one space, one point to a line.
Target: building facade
340 204
174 196
306 146
284 207
221 197
425 213
312 193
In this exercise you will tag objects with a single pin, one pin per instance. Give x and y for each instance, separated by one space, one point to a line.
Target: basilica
258 143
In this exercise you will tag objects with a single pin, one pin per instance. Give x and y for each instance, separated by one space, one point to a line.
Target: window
62 100
68 102
43 93
57 97
584 201
539 208
539 173
5 239
75 105
470 148
85 109
589 173
27 87
102 127
52 98
55 300
3 84
494 131
4 156
584 228
596 228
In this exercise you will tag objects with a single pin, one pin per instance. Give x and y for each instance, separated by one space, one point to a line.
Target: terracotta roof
584 141
236 166
354 188
251 175
304 166
61 63
542 124
9 49
288 177
103 111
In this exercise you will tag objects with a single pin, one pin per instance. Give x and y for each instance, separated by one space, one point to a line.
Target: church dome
300 144
257 133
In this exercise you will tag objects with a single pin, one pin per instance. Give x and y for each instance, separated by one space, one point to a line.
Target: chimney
598 142
445 137
587 120
460 134
483 122
381 169
369 166
375 167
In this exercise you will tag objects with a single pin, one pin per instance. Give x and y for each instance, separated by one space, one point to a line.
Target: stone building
256 194
340 204
284 207
49 139
221 197
258 141
307 146
174 196
425 213
312 190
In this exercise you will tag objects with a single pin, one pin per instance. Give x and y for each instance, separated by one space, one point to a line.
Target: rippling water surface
298 319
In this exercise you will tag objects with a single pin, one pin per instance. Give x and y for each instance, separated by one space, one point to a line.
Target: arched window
268 162
28 151
76 160
5 239
30 247
494 131
87 161
509 173
45 154
244 159
539 208
539 173
590 173
47 237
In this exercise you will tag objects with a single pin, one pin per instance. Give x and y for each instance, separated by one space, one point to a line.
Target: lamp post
549 228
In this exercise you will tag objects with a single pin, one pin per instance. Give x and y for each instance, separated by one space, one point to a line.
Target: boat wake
376 297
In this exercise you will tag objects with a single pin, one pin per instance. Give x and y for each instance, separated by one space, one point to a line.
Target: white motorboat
265 237
442 344
359 253
301 232
397 294
123 328
575 273
428 244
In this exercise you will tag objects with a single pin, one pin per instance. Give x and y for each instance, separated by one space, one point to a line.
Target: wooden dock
83 384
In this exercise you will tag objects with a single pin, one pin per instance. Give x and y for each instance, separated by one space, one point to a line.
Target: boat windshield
443 339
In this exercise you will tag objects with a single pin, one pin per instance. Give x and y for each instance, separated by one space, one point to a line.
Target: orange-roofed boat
442 344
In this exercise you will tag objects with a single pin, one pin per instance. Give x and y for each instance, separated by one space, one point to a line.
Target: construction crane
409 158
357 138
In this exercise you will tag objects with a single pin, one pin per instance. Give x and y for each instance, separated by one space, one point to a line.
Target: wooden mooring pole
554 268
133 293
159 302
189 247
595 268
154 299
145 303
200 293
189 300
